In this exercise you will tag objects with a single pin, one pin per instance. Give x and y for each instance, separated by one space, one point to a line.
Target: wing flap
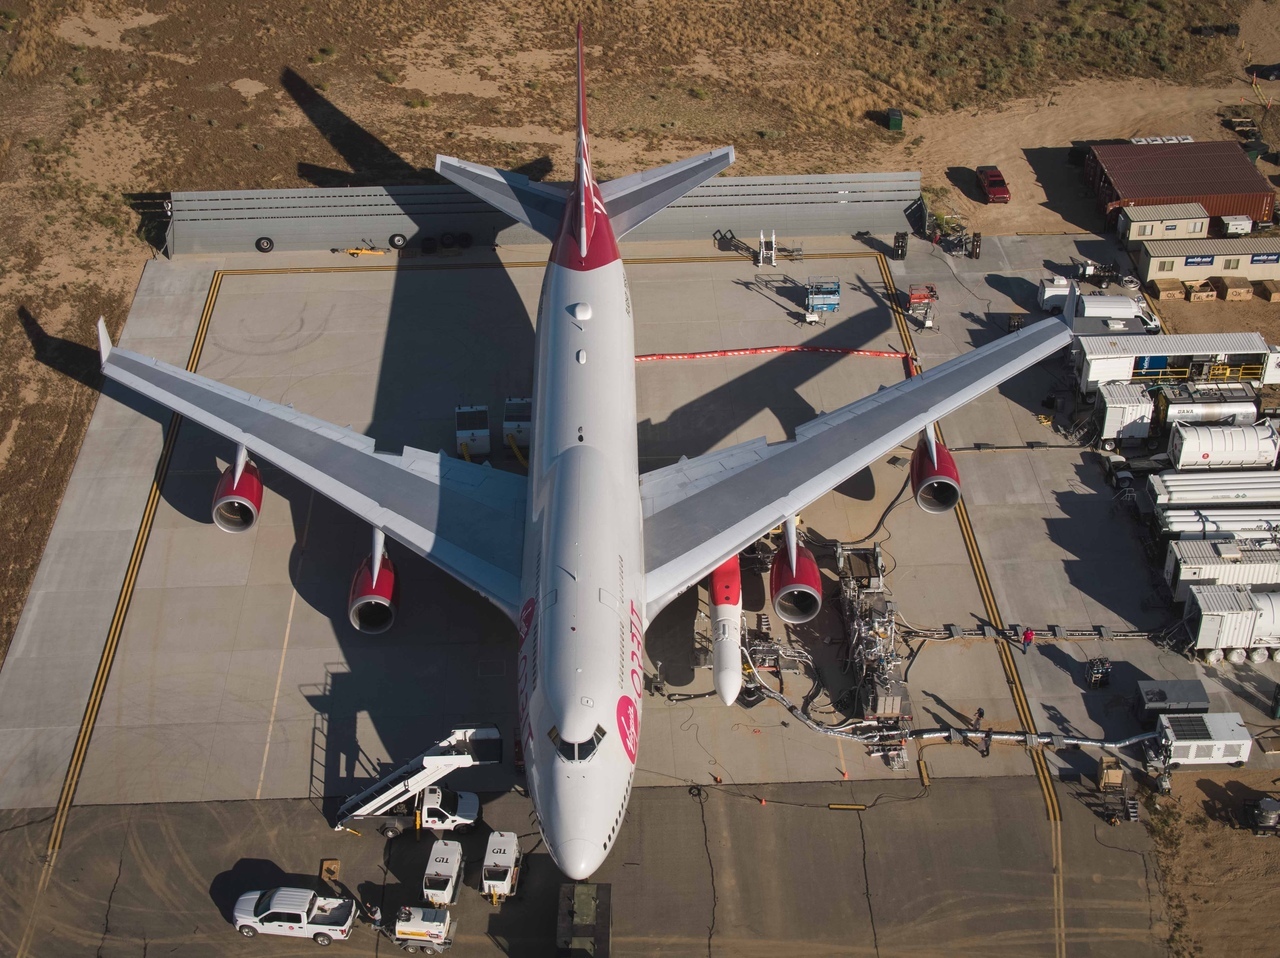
465 518
700 512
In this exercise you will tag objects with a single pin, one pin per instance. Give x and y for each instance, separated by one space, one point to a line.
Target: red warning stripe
763 350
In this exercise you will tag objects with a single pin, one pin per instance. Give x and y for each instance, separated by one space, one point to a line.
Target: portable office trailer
1217 357
1254 258
1138 224
1218 562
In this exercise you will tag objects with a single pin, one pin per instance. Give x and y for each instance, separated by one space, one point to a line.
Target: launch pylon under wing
699 512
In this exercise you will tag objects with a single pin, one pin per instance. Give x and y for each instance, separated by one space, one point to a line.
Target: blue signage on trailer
1258 259
1147 364
1198 260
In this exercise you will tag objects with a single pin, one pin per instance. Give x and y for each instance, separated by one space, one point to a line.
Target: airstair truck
410 798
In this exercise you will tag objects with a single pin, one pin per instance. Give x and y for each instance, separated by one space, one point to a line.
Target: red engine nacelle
236 504
936 486
797 596
371 605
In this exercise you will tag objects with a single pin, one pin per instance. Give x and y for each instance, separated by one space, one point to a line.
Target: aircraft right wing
699 512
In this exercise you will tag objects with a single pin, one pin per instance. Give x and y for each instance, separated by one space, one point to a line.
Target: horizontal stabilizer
536 205
633 199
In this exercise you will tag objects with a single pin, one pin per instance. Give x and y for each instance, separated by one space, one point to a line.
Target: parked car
294 912
1262 72
993 185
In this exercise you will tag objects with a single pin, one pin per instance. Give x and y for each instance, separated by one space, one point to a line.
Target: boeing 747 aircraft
584 553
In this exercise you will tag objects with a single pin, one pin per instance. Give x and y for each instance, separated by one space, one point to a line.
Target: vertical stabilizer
584 184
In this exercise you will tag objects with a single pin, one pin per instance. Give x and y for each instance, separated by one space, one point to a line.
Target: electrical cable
697 793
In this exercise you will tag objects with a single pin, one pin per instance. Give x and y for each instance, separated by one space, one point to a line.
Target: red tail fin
584 184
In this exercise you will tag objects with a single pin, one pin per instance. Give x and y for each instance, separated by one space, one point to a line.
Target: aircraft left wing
465 518
699 512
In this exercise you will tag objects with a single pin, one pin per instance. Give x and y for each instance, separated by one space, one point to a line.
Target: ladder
463 748
1131 809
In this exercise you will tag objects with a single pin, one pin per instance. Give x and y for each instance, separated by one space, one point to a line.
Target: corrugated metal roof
1123 394
1182 344
1222 599
1202 551
1214 168
1164 211
1232 245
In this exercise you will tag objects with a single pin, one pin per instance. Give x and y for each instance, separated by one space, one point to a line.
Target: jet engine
371 605
237 502
934 484
797 596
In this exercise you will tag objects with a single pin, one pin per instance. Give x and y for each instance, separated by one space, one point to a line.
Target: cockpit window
576 751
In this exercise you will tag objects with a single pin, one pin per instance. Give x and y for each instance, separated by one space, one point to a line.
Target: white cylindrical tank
1212 523
1223 447
1267 626
1222 488
726 630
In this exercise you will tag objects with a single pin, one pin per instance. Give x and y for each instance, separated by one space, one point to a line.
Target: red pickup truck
993 185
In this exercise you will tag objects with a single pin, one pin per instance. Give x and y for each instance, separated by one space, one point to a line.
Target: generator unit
1229 621
1218 738
1220 561
1123 414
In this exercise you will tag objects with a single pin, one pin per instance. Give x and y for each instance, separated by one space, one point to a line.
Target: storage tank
1219 562
1215 523
1249 488
1226 404
1223 447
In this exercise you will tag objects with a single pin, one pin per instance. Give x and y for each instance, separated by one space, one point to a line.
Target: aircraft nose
578 858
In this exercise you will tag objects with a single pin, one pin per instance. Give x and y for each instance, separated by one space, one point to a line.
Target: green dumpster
894 119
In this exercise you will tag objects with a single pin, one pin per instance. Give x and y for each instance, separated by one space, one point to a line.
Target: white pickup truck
295 912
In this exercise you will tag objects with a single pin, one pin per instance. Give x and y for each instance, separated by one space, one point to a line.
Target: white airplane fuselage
580 668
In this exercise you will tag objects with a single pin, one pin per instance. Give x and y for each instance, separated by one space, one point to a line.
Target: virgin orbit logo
629 726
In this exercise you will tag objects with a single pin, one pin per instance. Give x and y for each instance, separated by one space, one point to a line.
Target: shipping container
1218 562
1224 447
1221 616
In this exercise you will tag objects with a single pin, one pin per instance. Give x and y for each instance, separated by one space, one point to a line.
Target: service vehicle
436 806
295 913
994 188
443 876
429 930
502 860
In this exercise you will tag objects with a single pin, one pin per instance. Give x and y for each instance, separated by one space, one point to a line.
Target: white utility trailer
1215 738
1229 621
502 862
427 930
1123 414
409 797
441 880
1221 561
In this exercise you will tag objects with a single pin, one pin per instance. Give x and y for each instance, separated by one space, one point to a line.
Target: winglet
104 340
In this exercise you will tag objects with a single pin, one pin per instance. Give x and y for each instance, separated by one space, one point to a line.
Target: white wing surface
465 518
699 512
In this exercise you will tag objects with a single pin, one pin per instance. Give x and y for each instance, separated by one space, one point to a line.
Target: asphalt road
962 868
